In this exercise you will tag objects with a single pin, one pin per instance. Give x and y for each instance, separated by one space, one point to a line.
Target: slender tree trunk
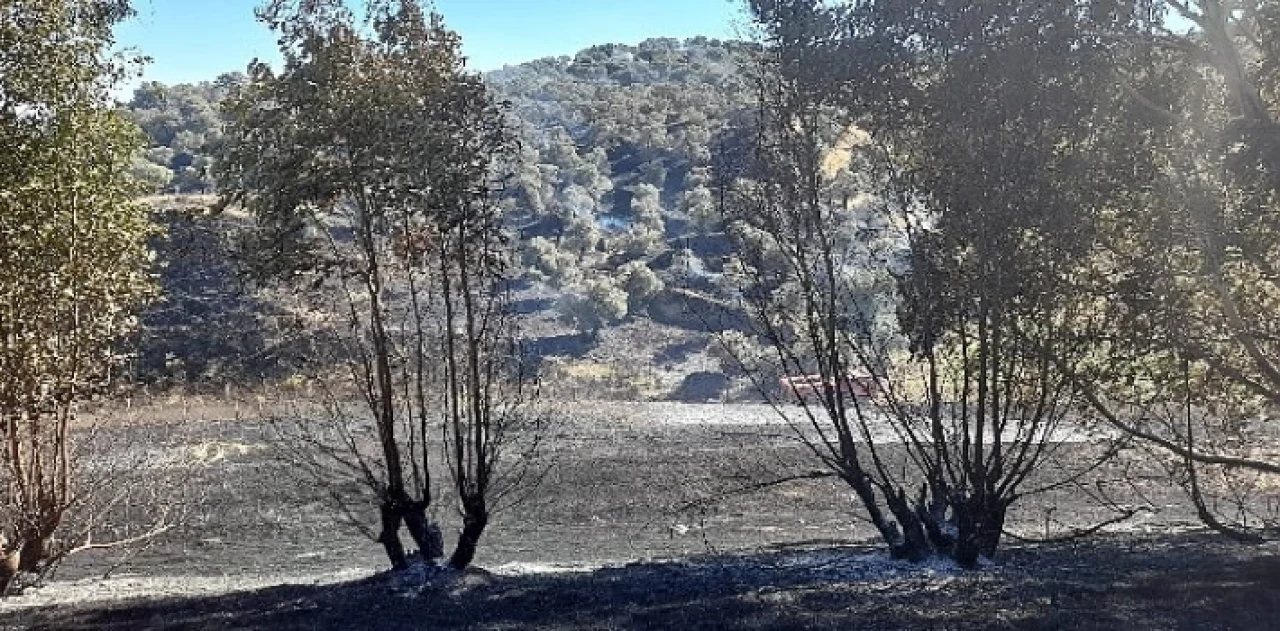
425 533
9 564
473 524
396 502
390 535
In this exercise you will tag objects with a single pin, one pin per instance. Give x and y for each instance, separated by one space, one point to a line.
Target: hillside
612 195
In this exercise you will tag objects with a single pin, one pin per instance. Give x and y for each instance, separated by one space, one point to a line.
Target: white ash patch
537 569
868 566
421 576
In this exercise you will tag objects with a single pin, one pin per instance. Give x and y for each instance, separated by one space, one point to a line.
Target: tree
184 119
647 233
641 284
367 163
700 206
1163 191
152 176
1186 334
548 263
73 257
594 304
976 182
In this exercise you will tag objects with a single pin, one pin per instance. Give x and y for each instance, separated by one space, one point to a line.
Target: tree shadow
680 351
1113 583
574 345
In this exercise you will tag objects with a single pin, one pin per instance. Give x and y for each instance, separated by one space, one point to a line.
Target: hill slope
612 195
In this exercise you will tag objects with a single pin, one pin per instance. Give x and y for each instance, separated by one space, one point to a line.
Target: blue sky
194 40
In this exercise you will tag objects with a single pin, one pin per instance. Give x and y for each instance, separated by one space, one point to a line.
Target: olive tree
928 287
73 257
1186 339
368 163
1163 146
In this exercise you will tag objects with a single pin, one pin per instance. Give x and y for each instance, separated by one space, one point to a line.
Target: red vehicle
856 384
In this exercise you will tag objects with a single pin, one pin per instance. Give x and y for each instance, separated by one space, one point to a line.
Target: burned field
650 515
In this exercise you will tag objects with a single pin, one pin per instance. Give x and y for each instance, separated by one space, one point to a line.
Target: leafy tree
183 119
1184 277
1147 222
592 127
641 284
646 236
367 164
594 304
548 263
700 206
73 257
615 116
984 173
150 175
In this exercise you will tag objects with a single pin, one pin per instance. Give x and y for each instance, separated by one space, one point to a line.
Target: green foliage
549 264
699 205
73 250
641 284
1187 255
1098 192
646 235
355 132
594 304
367 164
614 164
633 129
183 127
152 177
970 215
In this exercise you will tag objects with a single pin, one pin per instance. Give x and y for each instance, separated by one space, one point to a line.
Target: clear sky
195 40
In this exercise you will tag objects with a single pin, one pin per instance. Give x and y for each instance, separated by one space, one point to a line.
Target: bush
641 284
593 305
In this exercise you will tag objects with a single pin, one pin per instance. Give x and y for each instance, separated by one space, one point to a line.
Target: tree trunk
9 562
905 536
914 545
992 529
968 523
931 508
473 524
390 535
425 533
981 523
36 550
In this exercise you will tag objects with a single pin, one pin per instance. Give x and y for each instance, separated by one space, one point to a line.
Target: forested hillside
183 126
613 190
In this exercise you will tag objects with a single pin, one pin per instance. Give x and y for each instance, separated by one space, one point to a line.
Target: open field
626 532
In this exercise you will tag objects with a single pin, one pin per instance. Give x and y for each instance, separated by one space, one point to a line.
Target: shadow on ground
1171 582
